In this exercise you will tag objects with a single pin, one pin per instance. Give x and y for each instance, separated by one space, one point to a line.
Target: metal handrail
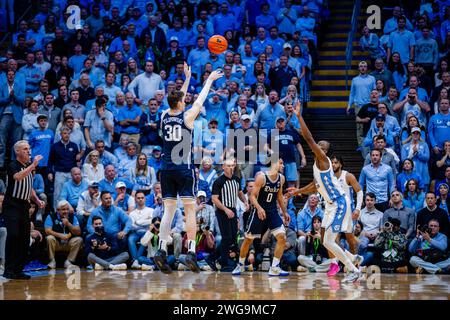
349 49
8 34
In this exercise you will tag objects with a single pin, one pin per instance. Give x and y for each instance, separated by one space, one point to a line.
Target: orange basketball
217 44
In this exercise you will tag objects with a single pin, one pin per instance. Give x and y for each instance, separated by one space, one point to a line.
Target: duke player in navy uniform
267 192
338 213
177 172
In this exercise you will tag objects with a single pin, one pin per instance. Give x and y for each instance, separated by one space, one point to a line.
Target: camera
388 225
425 229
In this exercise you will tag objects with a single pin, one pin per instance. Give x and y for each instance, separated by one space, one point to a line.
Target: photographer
205 245
391 243
150 241
428 249
63 234
102 249
204 211
316 255
406 216
411 103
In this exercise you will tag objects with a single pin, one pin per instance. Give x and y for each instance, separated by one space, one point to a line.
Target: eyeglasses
416 132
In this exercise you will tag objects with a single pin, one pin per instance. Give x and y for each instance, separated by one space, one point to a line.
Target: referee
225 191
19 193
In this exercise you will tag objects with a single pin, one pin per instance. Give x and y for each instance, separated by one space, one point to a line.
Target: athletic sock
163 245
241 261
191 246
275 262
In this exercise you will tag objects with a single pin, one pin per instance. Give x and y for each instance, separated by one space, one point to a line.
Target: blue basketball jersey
267 197
177 138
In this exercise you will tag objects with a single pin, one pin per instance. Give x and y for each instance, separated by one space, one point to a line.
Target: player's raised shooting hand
187 70
216 74
287 219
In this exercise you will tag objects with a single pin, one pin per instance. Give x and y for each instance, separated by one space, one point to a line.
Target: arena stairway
328 91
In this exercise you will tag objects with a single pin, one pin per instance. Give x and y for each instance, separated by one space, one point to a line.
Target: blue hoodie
439 130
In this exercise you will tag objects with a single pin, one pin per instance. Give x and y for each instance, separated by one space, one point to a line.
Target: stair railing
351 35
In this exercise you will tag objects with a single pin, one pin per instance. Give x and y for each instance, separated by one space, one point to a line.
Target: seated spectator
102 249
150 200
428 249
406 216
122 199
156 160
141 219
391 122
205 245
93 171
120 151
88 201
110 181
106 157
445 180
315 258
63 234
370 218
73 188
417 150
204 212
406 175
413 196
443 200
363 244
391 244
127 164
142 176
432 211
150 242
305 219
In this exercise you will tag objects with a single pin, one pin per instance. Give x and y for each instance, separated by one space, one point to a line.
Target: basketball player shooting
338 215
177 172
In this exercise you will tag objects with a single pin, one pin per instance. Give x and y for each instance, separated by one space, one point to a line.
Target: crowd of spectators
88 94
89 100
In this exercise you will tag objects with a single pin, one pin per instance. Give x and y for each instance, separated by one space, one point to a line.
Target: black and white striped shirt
227 189
18 189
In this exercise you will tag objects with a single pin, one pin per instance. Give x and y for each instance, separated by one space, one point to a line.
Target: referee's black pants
16 215
228 230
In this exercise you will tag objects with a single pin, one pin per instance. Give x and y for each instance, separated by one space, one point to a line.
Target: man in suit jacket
156 34
12 98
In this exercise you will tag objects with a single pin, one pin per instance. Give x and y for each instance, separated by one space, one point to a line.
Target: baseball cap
287 45
201 193
157 148
415 129
120 184
124 27
245 117
173 39
213 120
94 185
380 117
281 118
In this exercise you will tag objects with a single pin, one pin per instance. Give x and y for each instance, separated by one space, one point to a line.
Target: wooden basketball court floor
184 285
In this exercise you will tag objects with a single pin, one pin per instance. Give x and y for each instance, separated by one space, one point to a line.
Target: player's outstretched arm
187 74
192 113
281 201
304 131
308 189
